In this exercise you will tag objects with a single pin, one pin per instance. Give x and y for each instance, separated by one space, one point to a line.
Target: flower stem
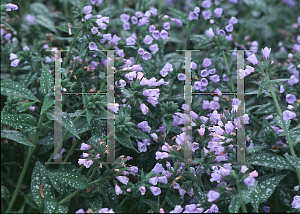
242 202
71 150
80 169
229 73
121 204
187 39
72 44
280 114
158 204
26 163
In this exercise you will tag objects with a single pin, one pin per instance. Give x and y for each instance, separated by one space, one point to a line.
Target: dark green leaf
15 136
65 28
136 133
125 140
29 78
254 149
45 22
179 15
235 205
263 84
48 102
47 81
16 89
77 181
294 161
23 121
24 106
266 109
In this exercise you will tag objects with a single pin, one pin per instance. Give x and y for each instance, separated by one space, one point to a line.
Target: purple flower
134 20
80 211
225 78
181 76
85 146
229 28
288 115
244 169
193 16
193 66
266 209
206 62
115 40
8 36
281 89
233 20
123 179
156 34
206 14
155 190
249 181
153 11
163 179
88 163
296 202
177 209
130 41
190 208
144 126
11 6
13 56
166 25
144 108
94 30
290 98
266 52
252 59
154 48
87 9
163 34
161 155
215 78
204 73
218 12
141 51
142 190
212 195
204 82
153 180
15 63
178 22
158 168
210 33
196 9
229 37
152 28
197 85
126 26
215 177
133 170
168 67
30 18
118 189
148 40
296 47
143 21
142 147
87 16
147 56
92 46
229 127
221 32
212 71
214 208
124 17
105 210
139 14
206 4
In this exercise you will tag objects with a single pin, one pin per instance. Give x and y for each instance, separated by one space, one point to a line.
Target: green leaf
48 102
152 204
47 81
172 200
95 202
39 8
51 205
255 198
279 80
294 161
136 133
29 200
16 89
161 51
268 132
125 140
179 15
270 160
77 181
168 123
40 176
254 149
265 109
45 22
235 205
62 209
23 121
5 193
29 78
263 84
67 122
63 189
283 124
65 28
196 38
15 136
268 186
199 195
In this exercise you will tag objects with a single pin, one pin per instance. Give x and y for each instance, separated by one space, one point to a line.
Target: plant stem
26 163
281 116
71 150
63 139
168 192
121 204
72 44
187 39
160 6
80 169
229 73
242 202
158 204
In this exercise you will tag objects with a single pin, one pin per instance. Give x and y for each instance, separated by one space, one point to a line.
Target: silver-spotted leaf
15 136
